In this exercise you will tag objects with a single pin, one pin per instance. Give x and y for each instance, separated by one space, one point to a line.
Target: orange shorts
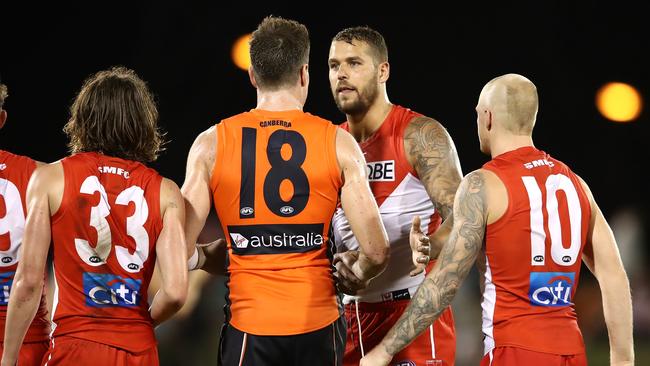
75 351
438 342
506 356
31 354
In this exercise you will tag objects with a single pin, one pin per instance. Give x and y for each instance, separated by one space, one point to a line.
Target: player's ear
488 120
251 76
304 75
384 72
3 117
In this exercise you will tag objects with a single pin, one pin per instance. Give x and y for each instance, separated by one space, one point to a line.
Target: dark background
441 55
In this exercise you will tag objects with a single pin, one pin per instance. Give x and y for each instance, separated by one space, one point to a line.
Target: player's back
533 255
275 185
15 171
104 237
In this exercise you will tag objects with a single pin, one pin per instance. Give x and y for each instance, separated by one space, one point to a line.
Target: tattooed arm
454 263
432 154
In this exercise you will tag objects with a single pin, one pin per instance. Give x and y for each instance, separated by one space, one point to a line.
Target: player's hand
376 357
215 256
420 247
348 282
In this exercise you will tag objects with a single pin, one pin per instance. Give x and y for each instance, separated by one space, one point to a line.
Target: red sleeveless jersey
104 236
15 171
400 196
533 254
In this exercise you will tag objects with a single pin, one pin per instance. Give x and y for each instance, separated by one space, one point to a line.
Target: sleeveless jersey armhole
501 221
401 149
330 150
157 204
215 176
56 216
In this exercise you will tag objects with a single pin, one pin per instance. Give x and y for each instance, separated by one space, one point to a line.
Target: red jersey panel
533 255
15 171
104 237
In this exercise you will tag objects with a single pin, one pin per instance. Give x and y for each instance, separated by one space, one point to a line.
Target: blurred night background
440 54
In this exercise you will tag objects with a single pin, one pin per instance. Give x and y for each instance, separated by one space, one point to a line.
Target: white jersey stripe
488 304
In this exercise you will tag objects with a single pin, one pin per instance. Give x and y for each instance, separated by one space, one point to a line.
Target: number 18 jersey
533 254
104 236
275 185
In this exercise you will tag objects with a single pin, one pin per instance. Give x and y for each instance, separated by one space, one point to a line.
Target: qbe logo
6 279
551 288
381 171
108 290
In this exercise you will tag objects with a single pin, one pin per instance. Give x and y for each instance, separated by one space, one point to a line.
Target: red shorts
75 351
518 356
438 342
31 354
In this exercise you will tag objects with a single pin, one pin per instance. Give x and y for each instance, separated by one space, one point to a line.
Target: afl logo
7 259
133 266
538 258
566 259
94 259
246 211
286 210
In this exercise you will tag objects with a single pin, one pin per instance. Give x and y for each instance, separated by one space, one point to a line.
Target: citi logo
538 162
551 288
108 290
381 171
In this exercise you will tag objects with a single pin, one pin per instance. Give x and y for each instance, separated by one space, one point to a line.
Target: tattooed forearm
431 152
455 262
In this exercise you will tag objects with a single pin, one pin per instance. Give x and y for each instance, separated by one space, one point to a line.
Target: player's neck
509 143
364 125
279 100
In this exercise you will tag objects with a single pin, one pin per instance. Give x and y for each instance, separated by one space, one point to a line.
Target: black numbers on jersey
280 171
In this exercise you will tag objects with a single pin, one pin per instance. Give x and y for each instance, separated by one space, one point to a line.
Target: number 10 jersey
104 236
275 185
532 255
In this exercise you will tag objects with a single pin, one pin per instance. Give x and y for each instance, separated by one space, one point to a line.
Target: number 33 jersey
104 237
532 255
275 185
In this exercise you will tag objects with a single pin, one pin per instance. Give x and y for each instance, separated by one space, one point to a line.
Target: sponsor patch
108 290
275 239
551 288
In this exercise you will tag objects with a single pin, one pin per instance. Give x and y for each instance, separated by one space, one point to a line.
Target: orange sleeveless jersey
275 183
15 171
104 236
533 255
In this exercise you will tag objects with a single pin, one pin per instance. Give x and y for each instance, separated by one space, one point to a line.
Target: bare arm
170 254
28 280
440 286
603 259
361 210
431 152
198 197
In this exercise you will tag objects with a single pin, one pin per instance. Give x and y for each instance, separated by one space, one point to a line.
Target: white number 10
561 255
134 228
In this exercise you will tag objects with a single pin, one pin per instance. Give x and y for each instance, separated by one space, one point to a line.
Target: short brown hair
278 48
3 94
115 114
367 35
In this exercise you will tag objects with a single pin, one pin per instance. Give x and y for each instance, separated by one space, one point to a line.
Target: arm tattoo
431 152
455 261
